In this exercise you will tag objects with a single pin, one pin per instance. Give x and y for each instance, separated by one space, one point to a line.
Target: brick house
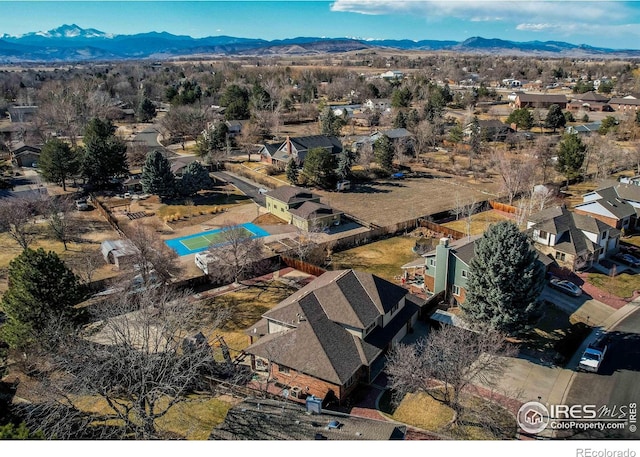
589 101
575 241
334 333
625 104
526 100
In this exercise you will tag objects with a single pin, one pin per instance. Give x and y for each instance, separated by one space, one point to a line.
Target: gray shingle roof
546 98
291 194
311 210
569 228
268 420
320 313
612 202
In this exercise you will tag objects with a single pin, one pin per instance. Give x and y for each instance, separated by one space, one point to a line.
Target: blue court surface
202 241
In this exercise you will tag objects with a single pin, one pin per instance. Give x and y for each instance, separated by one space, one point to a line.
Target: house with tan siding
575 241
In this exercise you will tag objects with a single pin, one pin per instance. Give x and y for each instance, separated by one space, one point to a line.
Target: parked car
627 259
82 205
565 286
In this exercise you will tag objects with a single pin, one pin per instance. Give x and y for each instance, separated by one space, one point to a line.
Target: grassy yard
480 419
480 222
246 307
192 419
383 258
622 285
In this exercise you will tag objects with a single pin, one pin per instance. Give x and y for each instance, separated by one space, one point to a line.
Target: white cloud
490 10
536 27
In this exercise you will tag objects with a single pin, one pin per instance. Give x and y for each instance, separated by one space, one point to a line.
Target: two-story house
576 241
297 149
616 205
301 208
334 333
447 268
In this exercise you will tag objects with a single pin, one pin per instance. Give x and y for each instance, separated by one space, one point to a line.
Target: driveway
246 186
584 308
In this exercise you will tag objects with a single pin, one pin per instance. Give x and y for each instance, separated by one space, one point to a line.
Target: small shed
118 252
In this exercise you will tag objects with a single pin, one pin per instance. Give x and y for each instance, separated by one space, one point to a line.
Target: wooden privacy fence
301 265
107 215
503 207
454 234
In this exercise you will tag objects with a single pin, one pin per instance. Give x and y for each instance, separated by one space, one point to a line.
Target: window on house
465 274
395 308
350 381
369 328
432 262
284 370
456 290
560 256
605 234
282 210
543 234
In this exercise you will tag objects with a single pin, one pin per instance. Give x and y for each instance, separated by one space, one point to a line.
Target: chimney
288 145
444 241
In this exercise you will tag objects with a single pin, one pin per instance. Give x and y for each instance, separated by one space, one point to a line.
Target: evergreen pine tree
331 124
505 279
58 162
555 117
157 177
571 155
42 291
105 154
292 172
195 178
345 162
146 110
383 152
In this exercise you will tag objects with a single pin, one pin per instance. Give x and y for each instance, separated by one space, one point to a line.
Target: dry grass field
387 202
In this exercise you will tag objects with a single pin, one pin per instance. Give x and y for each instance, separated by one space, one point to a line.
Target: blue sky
608 23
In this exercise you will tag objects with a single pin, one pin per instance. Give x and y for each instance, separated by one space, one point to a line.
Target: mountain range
71 43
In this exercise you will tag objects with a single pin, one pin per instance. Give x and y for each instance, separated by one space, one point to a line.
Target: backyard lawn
382 258
246 307
480 222
192 419
480 419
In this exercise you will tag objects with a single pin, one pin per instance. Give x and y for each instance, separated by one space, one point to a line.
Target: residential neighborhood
360 245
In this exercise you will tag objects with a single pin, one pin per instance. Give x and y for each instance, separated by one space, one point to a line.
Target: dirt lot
387 202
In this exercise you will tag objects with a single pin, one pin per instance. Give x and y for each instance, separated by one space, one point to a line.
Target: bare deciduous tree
152 254
453 358
239 255
16 218
366 155
59 212
466 209
140 363
85 265
516 174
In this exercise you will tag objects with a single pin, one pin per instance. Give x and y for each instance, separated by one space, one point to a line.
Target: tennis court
201 241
